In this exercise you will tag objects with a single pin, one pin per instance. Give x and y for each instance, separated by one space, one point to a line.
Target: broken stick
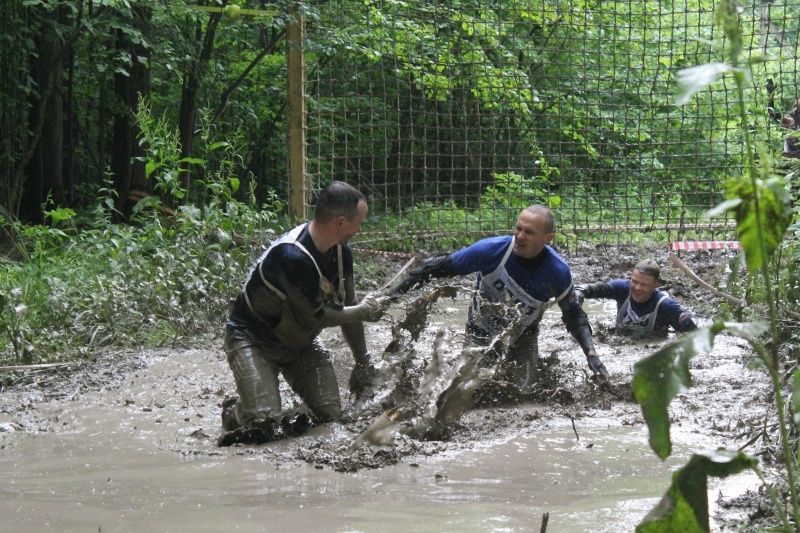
736 301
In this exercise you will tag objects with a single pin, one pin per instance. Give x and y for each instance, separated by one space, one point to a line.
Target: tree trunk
126 165
69 132
44 171
13 111
191 88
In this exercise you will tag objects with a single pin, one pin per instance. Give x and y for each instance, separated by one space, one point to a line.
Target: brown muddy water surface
129 445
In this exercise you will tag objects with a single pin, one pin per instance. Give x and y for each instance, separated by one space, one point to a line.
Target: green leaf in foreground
775 214
796 397
684 507
658 378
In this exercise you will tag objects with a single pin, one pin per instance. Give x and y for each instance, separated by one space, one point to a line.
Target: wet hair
543 211
337 199
648 267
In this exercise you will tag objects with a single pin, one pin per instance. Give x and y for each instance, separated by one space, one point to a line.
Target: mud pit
127 443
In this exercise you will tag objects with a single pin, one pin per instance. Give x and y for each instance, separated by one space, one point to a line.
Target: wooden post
296 86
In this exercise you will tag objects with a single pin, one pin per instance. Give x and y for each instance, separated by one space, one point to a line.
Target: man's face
530 236
642 286
348 228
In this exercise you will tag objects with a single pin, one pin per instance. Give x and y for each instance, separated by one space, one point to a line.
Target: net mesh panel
453 116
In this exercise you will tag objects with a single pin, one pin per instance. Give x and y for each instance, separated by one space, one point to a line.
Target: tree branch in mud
572 419
736 301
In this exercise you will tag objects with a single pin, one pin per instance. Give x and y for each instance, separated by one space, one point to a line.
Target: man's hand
370 309
597 367
362 377
374 306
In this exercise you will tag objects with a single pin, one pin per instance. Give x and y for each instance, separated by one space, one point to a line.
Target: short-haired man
300 285
642 309
524 269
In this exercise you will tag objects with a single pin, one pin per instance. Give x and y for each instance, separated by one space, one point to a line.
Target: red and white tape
705 245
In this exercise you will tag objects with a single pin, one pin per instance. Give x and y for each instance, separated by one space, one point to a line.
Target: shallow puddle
605 481
64 483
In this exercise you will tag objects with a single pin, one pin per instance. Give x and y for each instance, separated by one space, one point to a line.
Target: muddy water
80 483
142 457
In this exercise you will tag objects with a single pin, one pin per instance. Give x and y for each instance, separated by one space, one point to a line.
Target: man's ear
549 238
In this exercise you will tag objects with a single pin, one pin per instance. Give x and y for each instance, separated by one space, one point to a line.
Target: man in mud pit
642 309
300 285
791 146
526 271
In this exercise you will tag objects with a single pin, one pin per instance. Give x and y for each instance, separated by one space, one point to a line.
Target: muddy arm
595 290
353 332
440 266
577 323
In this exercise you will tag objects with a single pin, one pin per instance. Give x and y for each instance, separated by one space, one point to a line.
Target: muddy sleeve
440 266
685 323
596 290
577 323
353 332
677 317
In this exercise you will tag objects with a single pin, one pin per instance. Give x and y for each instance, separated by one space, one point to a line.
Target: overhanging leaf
658 378
727 205
684 507
695 79
747 330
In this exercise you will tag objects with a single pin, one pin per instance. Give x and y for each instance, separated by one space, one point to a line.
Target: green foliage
684 508
760 229
167 279
761 208
12 317
660 377
163 160
512 193
164 281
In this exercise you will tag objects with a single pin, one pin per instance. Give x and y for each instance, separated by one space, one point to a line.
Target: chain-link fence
454 115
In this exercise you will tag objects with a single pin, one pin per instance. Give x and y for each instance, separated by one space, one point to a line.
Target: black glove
579 295
597 367
433 267
362 378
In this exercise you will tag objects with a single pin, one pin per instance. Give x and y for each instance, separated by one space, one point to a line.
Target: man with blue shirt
642 309
525 271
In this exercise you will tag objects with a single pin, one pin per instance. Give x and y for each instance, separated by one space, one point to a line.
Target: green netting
453 115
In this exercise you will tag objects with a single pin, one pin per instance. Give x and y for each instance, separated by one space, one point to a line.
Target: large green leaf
658 378
684 508
796 397
775 216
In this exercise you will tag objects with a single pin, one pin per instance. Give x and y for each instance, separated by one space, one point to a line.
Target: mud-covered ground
171 398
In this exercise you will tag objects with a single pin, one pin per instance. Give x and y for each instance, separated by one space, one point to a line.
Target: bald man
522 269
